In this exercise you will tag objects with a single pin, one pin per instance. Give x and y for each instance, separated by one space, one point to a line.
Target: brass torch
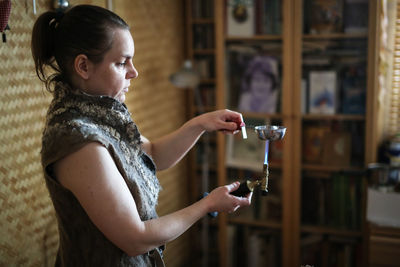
267 133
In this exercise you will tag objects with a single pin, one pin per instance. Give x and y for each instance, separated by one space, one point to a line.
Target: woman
99 170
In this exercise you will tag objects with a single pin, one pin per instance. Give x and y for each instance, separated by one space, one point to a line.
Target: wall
157 107
28 231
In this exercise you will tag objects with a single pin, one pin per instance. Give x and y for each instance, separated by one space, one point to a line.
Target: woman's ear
82 66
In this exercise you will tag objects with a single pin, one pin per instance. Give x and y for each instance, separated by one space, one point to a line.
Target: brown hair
58 38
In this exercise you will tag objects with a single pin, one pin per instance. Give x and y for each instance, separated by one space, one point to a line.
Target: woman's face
112 76
260 84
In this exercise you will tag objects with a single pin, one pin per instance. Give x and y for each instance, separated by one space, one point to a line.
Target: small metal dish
270 132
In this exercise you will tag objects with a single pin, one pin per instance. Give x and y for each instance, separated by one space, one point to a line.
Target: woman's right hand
221 200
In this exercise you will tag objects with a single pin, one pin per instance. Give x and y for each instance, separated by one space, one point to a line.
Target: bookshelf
271 231
299 218
336 228
201 50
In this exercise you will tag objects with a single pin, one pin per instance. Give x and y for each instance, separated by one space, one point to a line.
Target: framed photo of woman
259 85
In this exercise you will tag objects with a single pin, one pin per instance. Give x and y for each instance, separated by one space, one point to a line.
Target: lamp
188 78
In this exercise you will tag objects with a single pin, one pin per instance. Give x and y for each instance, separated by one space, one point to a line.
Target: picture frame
240 16
246 153
259 89
254 80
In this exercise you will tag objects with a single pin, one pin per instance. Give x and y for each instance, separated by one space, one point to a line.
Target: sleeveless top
73 120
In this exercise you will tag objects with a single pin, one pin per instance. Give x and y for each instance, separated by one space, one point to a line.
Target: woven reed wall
156 106
28 231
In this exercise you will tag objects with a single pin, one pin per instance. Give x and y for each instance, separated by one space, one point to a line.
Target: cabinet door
200 21
252 81
333 89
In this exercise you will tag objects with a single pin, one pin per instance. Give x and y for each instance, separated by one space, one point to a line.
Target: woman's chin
121 98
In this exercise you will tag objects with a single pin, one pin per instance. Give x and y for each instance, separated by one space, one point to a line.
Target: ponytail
43 44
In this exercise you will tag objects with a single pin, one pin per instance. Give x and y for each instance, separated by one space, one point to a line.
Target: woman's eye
122 64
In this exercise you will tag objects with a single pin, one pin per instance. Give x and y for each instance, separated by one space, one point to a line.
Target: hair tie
56 20
59 16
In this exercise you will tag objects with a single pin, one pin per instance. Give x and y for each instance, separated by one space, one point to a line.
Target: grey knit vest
73 120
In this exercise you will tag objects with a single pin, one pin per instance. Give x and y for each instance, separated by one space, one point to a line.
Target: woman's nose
132 72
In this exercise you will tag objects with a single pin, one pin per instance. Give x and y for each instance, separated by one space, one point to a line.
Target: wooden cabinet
316 204
203 159
384 246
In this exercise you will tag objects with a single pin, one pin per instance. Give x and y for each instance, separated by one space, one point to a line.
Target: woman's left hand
221 120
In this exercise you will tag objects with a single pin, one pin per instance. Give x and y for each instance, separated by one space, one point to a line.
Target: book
202 8
337 149
311 245
262 248
313 141
203 37
355 16
268 17
203 67
325 16
353 91
304 97
275 151
322 92
240 17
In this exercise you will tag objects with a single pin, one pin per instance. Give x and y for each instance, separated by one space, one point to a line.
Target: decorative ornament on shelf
5 10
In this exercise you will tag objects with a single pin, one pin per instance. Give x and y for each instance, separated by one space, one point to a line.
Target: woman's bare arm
170 149
92 176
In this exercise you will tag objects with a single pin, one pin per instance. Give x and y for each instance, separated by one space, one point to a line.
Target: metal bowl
270 132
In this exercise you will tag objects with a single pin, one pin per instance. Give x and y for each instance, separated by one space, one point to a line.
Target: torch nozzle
264 180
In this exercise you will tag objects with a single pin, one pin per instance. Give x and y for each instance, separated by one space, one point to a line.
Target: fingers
244 201
236 120
233 186
234 209
230 132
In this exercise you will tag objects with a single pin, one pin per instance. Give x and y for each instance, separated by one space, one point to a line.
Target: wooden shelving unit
284 221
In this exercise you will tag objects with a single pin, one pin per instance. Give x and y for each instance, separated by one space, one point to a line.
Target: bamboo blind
28 230
393 120
389 69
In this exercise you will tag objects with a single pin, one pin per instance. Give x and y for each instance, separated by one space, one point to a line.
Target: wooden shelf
207 81
202 21
330 231
204 51
331 168
271 165
334 117
257 115
254 38
256 223
335 36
